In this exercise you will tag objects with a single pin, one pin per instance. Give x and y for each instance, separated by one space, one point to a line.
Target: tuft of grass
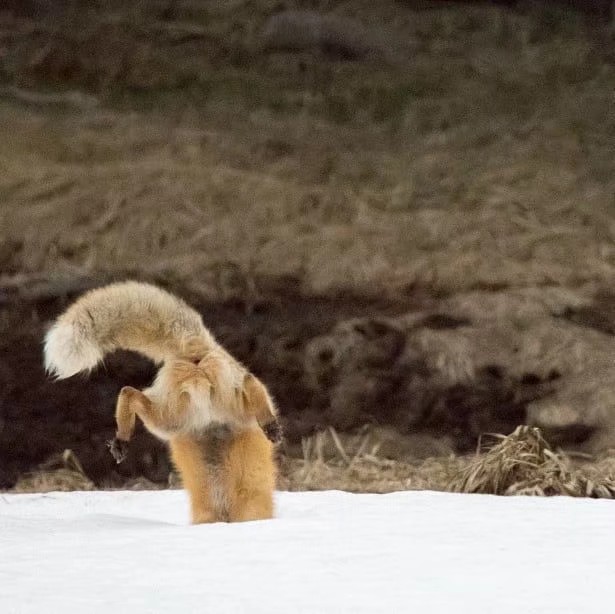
523 463
61 472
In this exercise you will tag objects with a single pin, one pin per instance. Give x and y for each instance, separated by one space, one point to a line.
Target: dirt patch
494 360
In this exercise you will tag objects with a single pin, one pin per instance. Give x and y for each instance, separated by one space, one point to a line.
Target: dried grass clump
62 472
523 463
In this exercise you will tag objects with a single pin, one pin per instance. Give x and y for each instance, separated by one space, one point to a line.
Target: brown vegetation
481 161
519 464
523 463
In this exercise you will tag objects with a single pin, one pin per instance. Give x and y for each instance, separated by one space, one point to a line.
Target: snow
420 552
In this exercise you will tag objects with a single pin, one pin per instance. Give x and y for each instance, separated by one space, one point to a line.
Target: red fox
219 419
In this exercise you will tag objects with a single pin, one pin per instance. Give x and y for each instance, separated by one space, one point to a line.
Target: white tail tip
68 351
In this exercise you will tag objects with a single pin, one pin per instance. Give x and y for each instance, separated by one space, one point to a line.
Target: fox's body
209 408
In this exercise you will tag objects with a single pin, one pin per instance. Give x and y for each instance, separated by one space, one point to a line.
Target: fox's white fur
69 351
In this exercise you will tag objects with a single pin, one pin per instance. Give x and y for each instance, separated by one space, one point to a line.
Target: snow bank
420 552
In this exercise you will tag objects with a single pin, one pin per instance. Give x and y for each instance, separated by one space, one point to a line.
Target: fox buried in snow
218 418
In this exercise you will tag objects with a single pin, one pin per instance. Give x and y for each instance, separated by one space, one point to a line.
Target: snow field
419 552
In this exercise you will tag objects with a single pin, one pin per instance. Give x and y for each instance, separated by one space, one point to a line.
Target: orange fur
239 488
204 402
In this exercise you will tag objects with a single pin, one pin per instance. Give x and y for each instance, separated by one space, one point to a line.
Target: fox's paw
118 449
274 432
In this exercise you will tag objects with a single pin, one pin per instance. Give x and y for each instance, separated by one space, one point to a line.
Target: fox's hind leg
197 479
250 476
130 404
125 417
162 422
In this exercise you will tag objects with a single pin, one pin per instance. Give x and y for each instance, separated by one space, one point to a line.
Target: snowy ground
418 552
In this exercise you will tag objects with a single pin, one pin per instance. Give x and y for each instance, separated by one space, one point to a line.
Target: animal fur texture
219 419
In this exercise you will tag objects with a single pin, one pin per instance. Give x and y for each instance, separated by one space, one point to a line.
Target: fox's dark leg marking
215 442
118 449
274 432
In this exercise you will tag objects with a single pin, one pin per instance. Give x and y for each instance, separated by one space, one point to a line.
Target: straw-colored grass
523 463
62 472
155 139
363 469
207 160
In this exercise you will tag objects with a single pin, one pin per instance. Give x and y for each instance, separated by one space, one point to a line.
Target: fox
219 420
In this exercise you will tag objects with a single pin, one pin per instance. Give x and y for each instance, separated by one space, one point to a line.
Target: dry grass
480 159
62 472
364 470
523 463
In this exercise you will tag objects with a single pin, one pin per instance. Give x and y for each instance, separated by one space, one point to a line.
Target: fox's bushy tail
128 315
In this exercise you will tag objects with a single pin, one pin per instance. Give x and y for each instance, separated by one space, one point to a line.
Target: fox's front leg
130 404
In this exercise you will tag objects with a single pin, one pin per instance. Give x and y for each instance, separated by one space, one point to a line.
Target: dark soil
40 417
